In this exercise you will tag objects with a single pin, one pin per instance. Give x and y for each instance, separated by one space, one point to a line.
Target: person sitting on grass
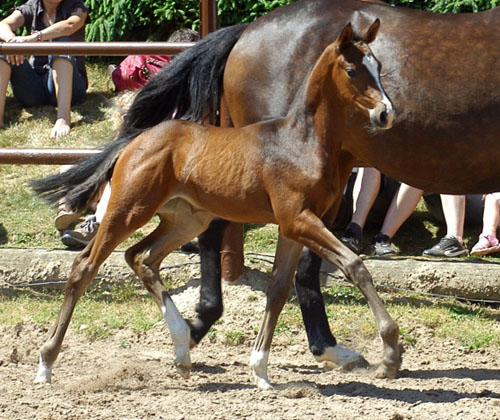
54 80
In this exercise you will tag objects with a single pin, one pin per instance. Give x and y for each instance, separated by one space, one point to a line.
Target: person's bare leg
62 70
5 73
454 214
491 215
402 206
364 193
452 244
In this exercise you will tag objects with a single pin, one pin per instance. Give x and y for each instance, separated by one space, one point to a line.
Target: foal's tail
189 88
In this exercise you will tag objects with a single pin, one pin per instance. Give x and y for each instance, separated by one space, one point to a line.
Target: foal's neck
317 108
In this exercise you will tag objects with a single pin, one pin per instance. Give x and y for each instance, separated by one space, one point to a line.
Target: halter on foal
282 171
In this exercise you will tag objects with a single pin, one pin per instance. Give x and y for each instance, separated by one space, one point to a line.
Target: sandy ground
131 376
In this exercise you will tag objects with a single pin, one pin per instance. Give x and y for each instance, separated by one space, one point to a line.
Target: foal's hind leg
209 308
84 270
177 227
285 262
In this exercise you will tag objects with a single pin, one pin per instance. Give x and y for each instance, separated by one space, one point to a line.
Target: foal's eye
351 73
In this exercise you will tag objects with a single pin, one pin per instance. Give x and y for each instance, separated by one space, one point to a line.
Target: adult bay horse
282 171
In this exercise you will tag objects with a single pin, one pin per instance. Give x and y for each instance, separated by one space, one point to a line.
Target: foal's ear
372 31
346 36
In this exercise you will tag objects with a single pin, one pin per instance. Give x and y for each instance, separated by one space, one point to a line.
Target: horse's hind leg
178 226
322 343
84 270
285 262
209 308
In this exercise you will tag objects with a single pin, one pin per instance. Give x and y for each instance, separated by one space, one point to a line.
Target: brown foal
283 171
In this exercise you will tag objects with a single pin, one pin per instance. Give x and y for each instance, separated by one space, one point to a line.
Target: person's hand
17 60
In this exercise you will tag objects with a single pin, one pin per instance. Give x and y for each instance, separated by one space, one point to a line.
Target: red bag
136 70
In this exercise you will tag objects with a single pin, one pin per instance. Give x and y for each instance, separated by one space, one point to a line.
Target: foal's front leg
322 343
309 230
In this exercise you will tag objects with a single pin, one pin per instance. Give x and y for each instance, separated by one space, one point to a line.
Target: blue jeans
33 89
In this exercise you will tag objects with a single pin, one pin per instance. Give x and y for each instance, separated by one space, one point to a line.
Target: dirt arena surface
131 376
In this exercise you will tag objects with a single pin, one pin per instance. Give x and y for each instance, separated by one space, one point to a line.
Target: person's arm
10 24
65 27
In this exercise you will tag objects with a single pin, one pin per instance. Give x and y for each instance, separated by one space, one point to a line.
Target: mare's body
439 70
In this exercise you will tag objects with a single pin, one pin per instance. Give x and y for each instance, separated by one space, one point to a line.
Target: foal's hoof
386 372
44 375
357 363
262 383
183 370
389 368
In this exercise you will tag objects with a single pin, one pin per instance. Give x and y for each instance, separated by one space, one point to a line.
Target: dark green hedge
156 19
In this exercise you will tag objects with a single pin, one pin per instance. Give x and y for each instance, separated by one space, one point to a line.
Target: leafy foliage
448 6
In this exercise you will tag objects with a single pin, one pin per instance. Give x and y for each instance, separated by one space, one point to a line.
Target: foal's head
356 73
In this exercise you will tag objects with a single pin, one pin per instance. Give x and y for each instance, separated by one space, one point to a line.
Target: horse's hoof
357 363
44 375
262 383
386 372
183 370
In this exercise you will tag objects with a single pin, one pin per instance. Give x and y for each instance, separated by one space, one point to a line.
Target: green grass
102 312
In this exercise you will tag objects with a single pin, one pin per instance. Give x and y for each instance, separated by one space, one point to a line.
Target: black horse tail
81 183
188 88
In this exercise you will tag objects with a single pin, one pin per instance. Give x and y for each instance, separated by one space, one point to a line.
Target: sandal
487 244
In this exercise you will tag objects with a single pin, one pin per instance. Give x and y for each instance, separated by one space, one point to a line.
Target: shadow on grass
91 109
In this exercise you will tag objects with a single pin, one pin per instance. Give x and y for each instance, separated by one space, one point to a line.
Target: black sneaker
448 246
352 237
82 235
382 245
352 243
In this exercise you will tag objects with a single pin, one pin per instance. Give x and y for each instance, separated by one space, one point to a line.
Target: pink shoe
487 244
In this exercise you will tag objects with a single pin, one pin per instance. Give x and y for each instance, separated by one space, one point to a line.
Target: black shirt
32 12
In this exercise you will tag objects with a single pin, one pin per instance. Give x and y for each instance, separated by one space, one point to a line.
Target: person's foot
352 237
61 128
65 219
448 246
382 245
82 235
487 244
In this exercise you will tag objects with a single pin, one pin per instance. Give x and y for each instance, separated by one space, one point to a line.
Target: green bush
448 6
114 20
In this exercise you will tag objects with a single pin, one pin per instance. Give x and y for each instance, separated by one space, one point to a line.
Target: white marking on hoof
258 364
345 359
44 374
181 336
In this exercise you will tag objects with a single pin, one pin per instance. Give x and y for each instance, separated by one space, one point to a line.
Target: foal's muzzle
382 116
